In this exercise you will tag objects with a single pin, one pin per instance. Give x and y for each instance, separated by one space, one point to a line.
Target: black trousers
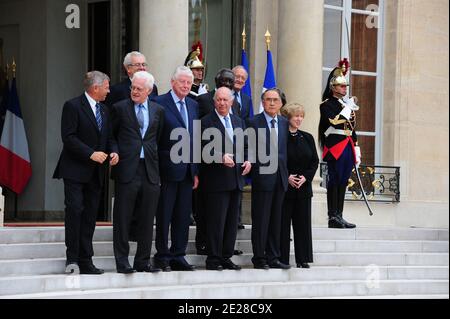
297 211
173 213
199 216
266 225
137 200
221 224
81 201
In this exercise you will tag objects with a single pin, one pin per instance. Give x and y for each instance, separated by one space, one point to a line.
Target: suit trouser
135 200
266 225
200 223
174 210
297 210
222 209
81 201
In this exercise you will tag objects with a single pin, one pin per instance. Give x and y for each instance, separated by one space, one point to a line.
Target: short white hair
127 59
224 88
182 70
94 78
149 79
240 67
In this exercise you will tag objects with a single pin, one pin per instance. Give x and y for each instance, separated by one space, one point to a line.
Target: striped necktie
98 116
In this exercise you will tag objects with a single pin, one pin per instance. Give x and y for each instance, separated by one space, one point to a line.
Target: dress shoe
241 226
228 264
261 266
214 267
163 265
90 270
346 223
125 270
181 265
335 222
303 265
237 252
72 268
148 268
279 265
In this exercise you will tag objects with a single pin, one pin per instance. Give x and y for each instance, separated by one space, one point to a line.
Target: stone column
163 37
300 51
300 48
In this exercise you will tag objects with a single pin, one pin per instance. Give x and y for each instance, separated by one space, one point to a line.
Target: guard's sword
362 190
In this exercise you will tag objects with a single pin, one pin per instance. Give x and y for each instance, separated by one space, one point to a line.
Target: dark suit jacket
81 138
129 140
302 160
172 120
247 105
267 182
206 104
122 91
216 177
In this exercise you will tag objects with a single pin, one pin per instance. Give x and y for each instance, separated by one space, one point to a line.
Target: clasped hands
229 162
296 181
100 157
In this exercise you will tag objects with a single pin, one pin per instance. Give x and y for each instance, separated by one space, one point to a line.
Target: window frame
347 12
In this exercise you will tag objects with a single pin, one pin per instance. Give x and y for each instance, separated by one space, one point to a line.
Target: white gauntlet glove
358 156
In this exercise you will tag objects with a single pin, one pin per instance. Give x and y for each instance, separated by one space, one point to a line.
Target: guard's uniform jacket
338 126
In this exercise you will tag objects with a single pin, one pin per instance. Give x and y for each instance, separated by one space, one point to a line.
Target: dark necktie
239 108
98 116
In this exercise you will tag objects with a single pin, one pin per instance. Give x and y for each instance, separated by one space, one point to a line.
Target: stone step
58 250
52 283
272 290
443 296
44 266
104 233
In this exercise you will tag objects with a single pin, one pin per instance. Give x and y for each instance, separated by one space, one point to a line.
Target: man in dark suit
137 125
245 104
224 78
132 63
222 178
87 139
269 181
177 178
244 101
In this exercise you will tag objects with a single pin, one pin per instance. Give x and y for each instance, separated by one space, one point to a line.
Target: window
356 26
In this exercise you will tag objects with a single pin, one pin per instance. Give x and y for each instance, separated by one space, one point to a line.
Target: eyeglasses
135 88
138 64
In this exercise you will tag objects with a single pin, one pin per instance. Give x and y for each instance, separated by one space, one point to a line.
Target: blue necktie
140 117
228 127
183 112
98 116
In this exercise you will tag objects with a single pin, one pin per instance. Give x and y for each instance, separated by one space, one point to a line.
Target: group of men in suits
137 126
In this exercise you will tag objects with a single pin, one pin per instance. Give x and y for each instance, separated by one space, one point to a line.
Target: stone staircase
365 262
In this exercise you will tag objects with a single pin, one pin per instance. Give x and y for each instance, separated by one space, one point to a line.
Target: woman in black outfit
302 166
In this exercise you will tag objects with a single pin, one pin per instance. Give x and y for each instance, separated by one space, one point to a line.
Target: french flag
269 79
15 165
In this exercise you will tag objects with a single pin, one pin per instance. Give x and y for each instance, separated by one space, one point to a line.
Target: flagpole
13 69
268 37
244 38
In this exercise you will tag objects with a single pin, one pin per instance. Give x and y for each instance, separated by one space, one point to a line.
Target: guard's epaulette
324 101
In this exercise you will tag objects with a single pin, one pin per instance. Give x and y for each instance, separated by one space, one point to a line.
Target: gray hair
127 59
149 79
94 78
224 88
240 67
182 70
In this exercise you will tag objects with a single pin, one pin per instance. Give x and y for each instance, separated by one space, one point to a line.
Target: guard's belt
332 130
